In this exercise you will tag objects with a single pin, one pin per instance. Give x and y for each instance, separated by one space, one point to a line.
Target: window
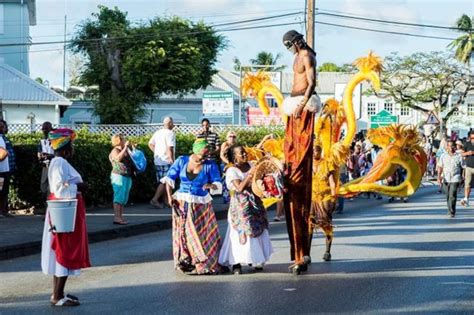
470 109
371 109
388 107
405 111
2 19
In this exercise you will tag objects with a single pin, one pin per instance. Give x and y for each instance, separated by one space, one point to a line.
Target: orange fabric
72 249
298 149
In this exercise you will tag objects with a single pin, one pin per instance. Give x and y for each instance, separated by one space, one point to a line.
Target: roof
17 88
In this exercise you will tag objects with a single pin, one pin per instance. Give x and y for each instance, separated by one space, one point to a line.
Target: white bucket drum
62 214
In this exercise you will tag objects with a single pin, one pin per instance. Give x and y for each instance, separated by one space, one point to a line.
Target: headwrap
200 146
60 137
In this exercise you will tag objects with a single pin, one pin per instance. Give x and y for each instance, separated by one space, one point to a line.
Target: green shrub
91 151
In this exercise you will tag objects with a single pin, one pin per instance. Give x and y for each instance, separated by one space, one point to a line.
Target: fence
131 130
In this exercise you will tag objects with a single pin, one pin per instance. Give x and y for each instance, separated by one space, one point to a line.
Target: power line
386 21
382 31
188 33
154 35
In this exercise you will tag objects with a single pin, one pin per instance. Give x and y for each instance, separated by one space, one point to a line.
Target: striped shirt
213 139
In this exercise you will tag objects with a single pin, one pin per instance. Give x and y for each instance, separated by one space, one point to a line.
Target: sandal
66 301
121 222
72 297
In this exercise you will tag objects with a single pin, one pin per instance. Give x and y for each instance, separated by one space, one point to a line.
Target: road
387 258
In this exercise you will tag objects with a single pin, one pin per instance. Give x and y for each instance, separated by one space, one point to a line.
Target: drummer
64 254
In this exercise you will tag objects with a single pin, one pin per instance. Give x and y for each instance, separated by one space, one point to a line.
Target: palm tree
464 44
265 58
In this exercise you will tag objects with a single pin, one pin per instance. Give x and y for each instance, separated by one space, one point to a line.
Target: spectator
45 155
459 147
64 254
450 170
212 139
230 140
432 165
121 176
469 170
343 178
163 144
7 167
353 163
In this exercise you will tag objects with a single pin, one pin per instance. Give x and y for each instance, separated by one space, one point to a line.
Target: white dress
63 180
256 250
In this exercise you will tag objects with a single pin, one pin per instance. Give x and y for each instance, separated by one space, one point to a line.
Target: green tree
329 67
133 64
265 58
425 82
464 45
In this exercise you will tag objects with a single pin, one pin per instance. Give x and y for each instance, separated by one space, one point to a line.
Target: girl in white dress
247 240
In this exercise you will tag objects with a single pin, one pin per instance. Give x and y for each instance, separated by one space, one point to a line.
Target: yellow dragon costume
400 144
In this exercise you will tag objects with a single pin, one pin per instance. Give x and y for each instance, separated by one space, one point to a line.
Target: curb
32 248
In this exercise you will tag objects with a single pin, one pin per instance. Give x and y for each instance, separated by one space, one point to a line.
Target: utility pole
310 23
64 54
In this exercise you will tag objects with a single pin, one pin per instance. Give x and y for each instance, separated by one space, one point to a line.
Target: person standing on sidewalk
469 170
450 175
7 168
212 139
64 254
162 144
45 155
121 176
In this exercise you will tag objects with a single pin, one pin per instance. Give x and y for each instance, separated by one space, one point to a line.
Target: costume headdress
60 137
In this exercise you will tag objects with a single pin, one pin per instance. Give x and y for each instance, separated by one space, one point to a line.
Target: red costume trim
72 249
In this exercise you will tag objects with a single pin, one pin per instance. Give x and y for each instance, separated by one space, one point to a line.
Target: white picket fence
131 130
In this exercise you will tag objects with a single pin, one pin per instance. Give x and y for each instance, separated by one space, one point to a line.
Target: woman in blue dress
196 240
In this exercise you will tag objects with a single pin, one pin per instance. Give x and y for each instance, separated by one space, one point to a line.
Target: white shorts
291 102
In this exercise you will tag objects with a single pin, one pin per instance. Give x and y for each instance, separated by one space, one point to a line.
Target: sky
332 44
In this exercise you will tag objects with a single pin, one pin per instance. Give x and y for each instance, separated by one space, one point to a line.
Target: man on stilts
300 107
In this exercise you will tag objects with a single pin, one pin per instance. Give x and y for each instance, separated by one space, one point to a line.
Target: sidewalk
21 236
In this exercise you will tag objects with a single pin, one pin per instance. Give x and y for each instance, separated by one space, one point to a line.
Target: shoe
405 200
379 197
156 204
237 269
465 202
327 256
297 269
259 268
451 215
307 260
276 219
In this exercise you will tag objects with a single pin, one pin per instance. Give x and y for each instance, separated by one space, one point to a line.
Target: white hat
167 120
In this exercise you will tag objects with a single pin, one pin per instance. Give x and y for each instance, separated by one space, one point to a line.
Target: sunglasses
231 136
287 44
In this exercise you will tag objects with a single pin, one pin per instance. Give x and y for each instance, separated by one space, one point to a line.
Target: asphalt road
387 258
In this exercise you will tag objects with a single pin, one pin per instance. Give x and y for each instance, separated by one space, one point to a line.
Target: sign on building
218 104
383 118
255 117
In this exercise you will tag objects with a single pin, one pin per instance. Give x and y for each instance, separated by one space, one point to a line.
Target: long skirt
247 240
196 239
